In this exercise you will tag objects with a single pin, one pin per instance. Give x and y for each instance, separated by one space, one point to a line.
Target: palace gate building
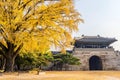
95 53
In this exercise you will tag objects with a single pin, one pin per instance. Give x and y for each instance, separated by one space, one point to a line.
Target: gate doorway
95 63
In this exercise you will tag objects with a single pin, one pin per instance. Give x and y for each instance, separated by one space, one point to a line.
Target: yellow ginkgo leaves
35 25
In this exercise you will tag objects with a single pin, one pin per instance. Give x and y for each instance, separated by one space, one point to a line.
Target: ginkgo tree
35 25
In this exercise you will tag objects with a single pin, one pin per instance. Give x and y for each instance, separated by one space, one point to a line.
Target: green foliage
35 60
66 59
24 60
43 59
38 60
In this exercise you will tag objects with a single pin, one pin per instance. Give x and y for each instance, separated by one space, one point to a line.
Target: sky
101 17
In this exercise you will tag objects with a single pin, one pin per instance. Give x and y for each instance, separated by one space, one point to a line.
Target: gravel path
111 78
64 75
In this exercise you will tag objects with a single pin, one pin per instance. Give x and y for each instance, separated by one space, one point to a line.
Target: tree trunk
18 67
10 52
3 64
9 67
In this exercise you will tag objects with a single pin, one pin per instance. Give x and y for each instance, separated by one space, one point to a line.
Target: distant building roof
56 52
95 40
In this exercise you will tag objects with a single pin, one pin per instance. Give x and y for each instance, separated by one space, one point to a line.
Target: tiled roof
55 52
95 39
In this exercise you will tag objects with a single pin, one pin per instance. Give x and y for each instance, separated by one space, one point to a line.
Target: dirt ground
65 75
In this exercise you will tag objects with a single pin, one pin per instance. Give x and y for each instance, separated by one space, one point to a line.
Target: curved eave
107 41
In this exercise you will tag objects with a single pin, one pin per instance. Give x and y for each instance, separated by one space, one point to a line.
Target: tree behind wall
30 61
61 60
34 25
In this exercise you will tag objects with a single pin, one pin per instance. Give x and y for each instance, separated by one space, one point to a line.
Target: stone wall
110 59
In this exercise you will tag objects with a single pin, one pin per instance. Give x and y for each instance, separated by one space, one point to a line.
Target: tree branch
18 49
3 47
2 53
30 8
24 5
